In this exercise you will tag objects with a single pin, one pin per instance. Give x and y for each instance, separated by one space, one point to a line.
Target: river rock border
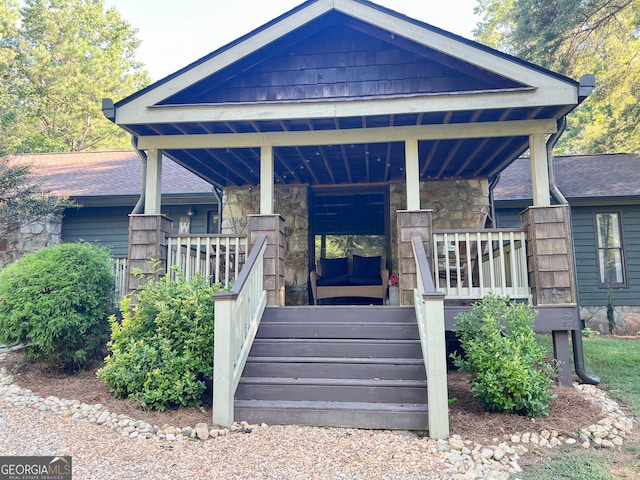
468 458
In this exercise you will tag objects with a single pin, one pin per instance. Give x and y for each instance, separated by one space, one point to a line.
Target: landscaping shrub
57 301
509 372
162 350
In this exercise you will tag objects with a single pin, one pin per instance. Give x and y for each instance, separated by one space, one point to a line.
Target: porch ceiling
355 162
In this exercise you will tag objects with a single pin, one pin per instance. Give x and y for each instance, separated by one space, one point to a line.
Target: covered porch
345 99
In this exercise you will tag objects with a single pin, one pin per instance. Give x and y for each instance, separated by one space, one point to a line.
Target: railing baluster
502 264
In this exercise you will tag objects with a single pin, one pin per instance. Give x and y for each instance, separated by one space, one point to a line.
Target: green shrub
508 369
162 350
57 301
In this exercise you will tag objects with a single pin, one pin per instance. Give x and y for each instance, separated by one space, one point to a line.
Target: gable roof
107 174
333 74
580 178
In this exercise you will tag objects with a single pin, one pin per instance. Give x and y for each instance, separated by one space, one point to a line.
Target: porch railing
429 307
218 257
472 263
238 314
120 272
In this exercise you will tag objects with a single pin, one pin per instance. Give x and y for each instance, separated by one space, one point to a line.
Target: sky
176 33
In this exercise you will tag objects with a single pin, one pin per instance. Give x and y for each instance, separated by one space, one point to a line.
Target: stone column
147 248
550 264
273 227
411 221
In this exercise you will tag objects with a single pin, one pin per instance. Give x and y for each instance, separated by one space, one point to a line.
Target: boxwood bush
509 370
162 349
57 301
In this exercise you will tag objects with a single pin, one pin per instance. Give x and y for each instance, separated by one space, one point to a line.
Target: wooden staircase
348 366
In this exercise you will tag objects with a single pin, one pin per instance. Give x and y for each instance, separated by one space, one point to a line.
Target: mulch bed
468 418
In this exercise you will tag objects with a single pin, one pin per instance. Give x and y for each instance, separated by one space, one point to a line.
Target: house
340 124
604 194
106 187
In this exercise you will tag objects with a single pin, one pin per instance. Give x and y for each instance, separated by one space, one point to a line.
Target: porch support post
266 180
549 257
539 170
153 191
273 269
412 172
147 249
415 221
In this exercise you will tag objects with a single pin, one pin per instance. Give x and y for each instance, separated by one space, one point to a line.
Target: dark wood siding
587 264
331 60
109 226
508 217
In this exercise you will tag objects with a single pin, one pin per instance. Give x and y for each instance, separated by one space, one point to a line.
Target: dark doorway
349 221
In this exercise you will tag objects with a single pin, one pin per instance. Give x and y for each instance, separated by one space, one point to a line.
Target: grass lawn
617 362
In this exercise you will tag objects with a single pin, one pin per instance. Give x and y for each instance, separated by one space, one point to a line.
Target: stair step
336 367
332 389
333 414
350 330
340 314
347 348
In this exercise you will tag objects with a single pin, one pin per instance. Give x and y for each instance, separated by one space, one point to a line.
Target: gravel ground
289 452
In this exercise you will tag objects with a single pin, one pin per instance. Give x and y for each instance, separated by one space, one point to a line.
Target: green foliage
58 300
508 369
574 465
58 59
22 198
611 317
162 350
589 332
574 37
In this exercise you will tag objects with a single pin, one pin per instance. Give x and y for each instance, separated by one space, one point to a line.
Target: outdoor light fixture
191 212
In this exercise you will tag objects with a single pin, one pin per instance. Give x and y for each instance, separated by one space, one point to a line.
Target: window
611 264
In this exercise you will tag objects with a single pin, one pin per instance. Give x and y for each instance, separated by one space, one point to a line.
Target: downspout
576 335
493 181
218 196
139 208
109 111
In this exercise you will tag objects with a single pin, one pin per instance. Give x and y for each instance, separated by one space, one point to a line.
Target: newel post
411 221
223 364
273 227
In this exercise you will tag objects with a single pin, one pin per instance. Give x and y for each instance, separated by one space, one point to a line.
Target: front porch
340 103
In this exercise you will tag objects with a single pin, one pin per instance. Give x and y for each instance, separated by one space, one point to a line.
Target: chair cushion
377 280
364 267
334 267
332 281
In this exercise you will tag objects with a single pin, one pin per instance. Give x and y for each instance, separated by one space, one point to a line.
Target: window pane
608 230
611 266
337 246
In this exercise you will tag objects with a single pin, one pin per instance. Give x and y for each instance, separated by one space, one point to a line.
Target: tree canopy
575 37
58 59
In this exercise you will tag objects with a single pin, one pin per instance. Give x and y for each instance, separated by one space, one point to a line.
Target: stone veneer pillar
411 221
273 227
147 248
550 264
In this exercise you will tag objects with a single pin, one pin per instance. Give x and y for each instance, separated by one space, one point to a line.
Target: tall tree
61 58
574 37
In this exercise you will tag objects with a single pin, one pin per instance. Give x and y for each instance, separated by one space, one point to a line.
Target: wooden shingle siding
586 251
363 62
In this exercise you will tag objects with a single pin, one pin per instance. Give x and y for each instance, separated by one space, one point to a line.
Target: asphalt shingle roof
577 177
117 173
